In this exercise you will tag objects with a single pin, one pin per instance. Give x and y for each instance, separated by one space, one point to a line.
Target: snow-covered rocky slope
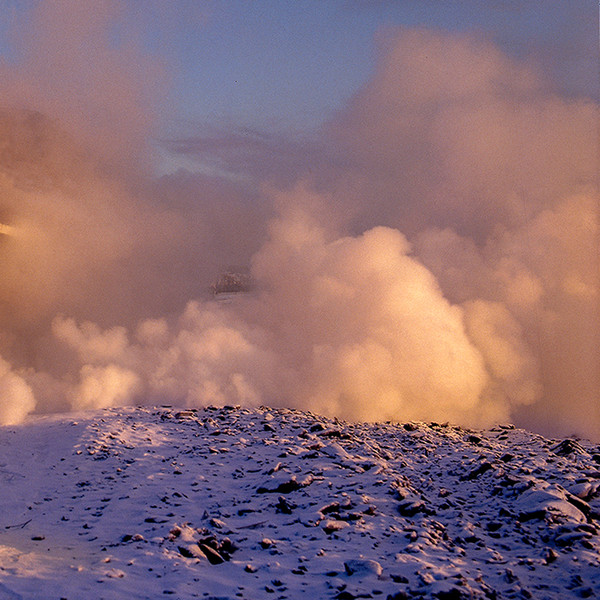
144 503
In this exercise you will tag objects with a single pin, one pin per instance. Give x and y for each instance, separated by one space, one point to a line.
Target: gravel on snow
227 503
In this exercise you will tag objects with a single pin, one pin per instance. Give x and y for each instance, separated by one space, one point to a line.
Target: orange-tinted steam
460 281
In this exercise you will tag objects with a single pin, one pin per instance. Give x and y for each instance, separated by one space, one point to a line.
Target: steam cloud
443 265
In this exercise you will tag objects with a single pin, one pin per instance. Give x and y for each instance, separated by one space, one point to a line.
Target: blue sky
291 63
287 65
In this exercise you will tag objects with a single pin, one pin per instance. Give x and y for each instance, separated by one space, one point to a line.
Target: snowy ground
145 503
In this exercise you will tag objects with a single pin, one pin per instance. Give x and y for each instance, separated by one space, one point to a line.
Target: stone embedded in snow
214 558
401 595
333 433
114 574
409 508
217 523
184 533
568 538
185 414
191 551
334 507
585 490
333 526
582 505
549 555
284 506
283 484
568 447
335 451
547 500
410 503
475 473
363 567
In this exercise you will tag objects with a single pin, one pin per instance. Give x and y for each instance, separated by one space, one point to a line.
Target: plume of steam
350 326
76 65
450 132
17 399
459 282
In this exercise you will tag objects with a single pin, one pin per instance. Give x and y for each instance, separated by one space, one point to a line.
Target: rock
568 447
185 414
226 548
509 576
581 505
334 507
285 487
214 558
568 539
335 451
300 570
332 526
217 523
345 595
480 470
334 433
545 499
530 515
284 506
549 555
585 490
114 574
363 567
410 508
398 596
191 551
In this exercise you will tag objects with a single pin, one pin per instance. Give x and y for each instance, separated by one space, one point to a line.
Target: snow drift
250 503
